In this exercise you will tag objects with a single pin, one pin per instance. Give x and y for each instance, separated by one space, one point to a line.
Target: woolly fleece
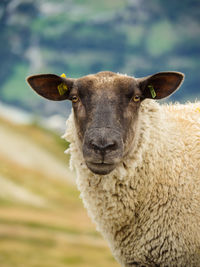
148 208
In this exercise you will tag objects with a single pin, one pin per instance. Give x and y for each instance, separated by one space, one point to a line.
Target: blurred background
42 220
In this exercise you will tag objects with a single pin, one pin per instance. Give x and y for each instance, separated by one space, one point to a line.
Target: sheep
137 163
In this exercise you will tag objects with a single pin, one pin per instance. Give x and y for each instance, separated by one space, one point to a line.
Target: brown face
106 107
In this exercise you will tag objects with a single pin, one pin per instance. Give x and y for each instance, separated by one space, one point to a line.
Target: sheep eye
75 99
136 98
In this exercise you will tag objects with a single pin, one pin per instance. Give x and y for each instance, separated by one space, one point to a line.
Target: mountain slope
42 220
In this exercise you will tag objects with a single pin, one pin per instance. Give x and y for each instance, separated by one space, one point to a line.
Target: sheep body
148 208
137 163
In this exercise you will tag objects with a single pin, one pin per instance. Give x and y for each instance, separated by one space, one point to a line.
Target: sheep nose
103 146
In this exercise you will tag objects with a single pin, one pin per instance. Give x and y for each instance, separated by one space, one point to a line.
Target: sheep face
106 110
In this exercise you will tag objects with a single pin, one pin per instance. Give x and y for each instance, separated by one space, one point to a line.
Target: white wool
148 208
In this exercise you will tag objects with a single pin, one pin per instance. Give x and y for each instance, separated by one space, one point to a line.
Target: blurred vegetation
42 219
81 37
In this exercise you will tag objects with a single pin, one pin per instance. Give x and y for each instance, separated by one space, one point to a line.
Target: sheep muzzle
102 149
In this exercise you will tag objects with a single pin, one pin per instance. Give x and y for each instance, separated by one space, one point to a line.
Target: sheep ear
51 86
160 85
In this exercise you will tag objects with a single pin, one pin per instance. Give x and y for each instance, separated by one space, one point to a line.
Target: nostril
94 145
112 145
103 147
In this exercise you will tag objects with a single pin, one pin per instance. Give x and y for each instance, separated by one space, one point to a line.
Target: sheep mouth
101 168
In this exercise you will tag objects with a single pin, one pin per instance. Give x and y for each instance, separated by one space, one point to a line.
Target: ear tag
62 88
63 75
152 91
198 109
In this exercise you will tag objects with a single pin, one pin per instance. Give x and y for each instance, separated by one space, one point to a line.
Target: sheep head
106 107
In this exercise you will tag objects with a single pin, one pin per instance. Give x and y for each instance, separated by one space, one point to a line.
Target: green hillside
42 220
81 37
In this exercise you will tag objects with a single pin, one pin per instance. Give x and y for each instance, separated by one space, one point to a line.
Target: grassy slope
53 232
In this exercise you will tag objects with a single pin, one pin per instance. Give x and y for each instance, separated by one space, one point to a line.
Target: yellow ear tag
63 75
198 109
152 91
62 88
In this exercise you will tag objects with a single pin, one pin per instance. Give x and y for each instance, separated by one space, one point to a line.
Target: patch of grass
73 260
38 225
61 254
47 242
